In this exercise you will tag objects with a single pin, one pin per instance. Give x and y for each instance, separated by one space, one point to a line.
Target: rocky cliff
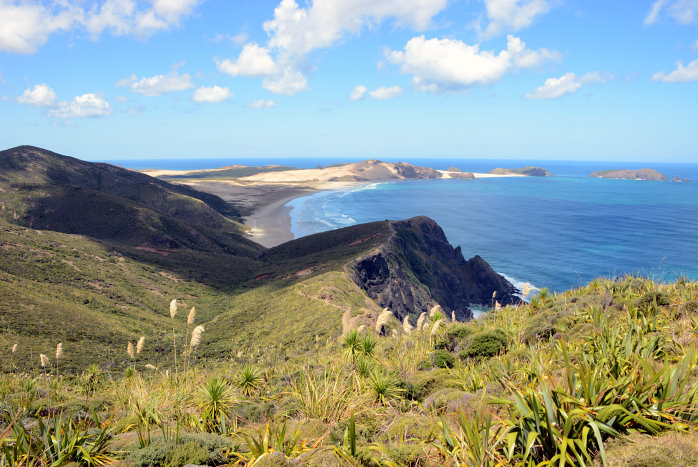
417 268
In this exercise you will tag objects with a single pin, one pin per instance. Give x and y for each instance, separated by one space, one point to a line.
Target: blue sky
536 79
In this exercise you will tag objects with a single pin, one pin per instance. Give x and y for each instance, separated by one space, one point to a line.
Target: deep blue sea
556 232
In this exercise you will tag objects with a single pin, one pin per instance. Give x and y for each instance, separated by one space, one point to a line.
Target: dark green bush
648 301
540 327
196 448
187 453
485 344
443 359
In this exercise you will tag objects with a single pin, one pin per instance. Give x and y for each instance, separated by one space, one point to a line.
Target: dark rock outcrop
417 268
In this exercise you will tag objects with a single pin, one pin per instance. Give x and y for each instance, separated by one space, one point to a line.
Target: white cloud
512 15
296 31
87 105
212 94
566 84
358 93
238 39
682 74
451 65
289 82
122 17
25 25
383 93
682 11
253 61
159 84
41 95
260 104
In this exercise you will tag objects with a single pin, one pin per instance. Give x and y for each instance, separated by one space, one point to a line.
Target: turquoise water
556 232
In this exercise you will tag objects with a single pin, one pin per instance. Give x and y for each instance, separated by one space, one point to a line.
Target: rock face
528 171
626 174
417 268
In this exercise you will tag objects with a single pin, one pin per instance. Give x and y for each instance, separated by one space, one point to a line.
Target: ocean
557 232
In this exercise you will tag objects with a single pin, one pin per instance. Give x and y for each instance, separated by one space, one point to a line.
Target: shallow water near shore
558 232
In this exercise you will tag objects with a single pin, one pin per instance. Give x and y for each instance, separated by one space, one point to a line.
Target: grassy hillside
600 375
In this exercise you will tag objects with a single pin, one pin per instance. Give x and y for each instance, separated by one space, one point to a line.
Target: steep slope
44 190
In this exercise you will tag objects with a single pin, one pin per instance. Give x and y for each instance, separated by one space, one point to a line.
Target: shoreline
270 224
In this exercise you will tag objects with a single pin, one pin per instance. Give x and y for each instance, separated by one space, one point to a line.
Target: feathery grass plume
44 360
435 327
151 367
394 334
406 326
130 351
497 306
361 328
173 308
494 294
141 343
196 336
14 348
434 310
453 316
527 289
383 319
346 322
420 320
192 315
59 351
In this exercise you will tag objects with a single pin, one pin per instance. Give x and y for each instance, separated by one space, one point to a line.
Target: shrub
540 327
423 383
443 359
198 448
647 302
486 344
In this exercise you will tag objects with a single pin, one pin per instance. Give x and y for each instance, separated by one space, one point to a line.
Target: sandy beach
262 198
270 224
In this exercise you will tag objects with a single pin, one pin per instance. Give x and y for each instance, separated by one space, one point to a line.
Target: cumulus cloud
358 93
41 95
383 93
682 11
295 31
682 74
87 105
439 65
512 15
25 25
213 94
253 61
298 31
289 82
568 83
159 84
260 104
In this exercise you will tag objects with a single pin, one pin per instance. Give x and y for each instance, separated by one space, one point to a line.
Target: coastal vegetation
579 378
194 345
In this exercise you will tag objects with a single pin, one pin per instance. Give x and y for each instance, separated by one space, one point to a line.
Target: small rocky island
528 171
627 174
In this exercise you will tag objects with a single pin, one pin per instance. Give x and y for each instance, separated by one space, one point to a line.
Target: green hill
92 255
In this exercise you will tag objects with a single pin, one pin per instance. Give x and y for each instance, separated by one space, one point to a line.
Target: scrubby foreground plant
568 379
